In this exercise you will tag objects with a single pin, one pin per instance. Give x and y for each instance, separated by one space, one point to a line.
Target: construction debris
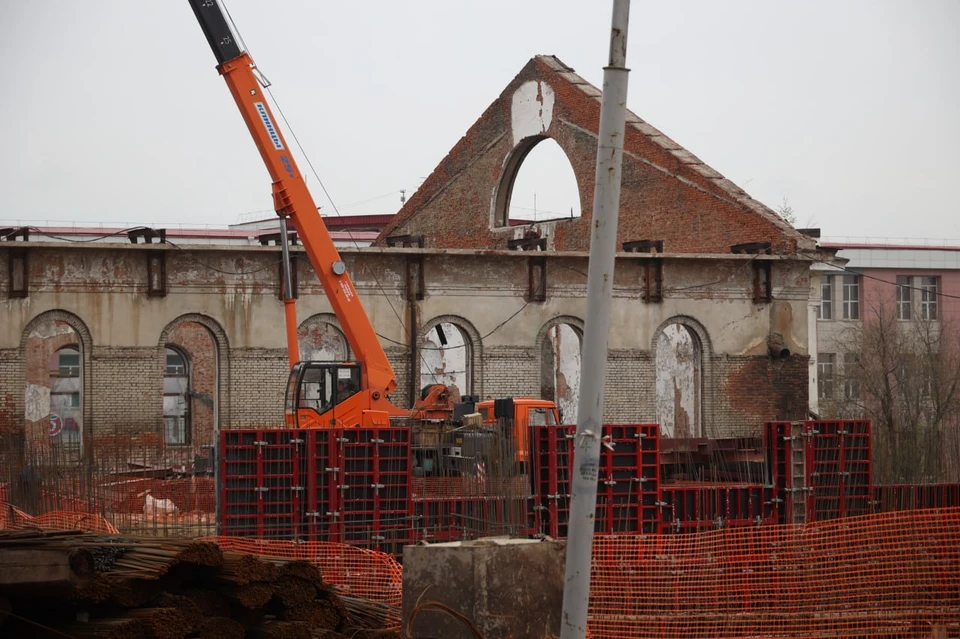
171 589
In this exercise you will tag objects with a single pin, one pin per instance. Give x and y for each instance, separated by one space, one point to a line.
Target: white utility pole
603 251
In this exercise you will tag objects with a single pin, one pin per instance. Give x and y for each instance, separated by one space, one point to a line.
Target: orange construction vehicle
324 394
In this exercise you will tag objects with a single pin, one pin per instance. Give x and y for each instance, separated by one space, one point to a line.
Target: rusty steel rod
603 250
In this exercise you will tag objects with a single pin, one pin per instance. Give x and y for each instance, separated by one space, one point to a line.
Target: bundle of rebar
167 588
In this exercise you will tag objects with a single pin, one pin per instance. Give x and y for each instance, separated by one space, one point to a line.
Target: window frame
187 417
851 381
904 297
850 296
71 433
825 310
929 287
825 377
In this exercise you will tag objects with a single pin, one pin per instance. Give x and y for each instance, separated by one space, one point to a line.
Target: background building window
904 291
65 400
826 298
851 297
825 370
928 298
176 398
851 376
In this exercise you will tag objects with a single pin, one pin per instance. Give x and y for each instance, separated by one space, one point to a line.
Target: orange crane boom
293 200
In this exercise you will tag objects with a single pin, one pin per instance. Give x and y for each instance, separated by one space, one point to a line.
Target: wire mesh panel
473 483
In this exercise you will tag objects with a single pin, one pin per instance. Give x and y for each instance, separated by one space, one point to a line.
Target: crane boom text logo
268 125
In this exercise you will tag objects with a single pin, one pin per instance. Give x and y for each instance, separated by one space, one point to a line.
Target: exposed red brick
662 196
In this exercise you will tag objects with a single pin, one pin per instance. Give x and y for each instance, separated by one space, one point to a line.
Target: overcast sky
112 111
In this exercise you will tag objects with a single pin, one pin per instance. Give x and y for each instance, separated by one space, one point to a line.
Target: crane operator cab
319 395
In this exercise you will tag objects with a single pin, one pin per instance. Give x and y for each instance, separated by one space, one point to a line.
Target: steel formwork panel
359 486
261 483
840 475
897 497
694 507
836 479
628 478
471 517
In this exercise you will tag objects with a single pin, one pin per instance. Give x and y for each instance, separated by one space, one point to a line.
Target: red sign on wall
56 425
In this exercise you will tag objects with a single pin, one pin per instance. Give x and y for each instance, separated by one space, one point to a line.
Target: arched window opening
679 382
560 369
447 358
321 341
176 398
66 404
544 186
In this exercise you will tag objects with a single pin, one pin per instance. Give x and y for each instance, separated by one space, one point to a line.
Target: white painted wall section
532 110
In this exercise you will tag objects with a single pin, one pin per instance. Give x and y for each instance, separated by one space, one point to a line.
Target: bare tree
787 213
905 377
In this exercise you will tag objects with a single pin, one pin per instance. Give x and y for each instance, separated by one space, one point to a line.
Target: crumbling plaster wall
105 288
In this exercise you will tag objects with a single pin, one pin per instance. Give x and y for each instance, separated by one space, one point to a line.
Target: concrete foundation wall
509 589
240 361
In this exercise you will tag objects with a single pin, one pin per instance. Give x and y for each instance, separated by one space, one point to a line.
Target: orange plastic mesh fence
887 575
367 574
65 520
12 518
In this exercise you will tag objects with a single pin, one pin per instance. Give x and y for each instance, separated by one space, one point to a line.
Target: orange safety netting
66 520
12 518
368 574
888 575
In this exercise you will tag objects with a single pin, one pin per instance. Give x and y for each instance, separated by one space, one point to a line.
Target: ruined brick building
179 339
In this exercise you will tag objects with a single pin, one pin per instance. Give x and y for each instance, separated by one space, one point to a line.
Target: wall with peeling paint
232 292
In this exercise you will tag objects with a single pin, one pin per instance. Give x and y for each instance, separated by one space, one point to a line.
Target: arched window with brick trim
176 397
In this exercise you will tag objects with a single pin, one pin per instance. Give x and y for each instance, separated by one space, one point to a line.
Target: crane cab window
542 417
316 389
348 382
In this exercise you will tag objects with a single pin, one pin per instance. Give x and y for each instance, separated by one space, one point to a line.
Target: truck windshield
542 417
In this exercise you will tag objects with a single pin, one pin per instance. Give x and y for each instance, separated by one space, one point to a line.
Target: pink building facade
911 283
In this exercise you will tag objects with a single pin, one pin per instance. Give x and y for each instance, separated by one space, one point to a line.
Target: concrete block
509 588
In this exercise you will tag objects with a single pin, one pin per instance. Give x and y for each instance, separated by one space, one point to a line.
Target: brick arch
85 339
707 377
473 339
221 347
327 318
572 320
512 163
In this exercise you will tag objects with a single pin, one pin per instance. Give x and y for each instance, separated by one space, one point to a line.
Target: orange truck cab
524 412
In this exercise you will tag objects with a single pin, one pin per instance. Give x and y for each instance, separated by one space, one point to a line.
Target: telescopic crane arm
292 199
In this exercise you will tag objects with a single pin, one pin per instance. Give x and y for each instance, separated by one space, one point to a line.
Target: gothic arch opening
538 184
679 374
446 353
560 362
